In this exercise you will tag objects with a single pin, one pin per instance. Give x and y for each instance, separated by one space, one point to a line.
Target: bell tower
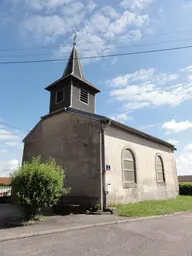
72 89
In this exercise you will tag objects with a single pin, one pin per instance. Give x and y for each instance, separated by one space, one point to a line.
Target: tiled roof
5 180
185 178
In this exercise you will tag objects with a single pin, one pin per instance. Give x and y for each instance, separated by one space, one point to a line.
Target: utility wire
97 56
12 126
106 48
89 42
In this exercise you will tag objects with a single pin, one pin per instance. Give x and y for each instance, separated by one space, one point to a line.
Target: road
156 237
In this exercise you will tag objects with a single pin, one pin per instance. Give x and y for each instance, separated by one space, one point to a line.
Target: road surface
167 236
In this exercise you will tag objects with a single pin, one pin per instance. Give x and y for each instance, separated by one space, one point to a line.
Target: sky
151 92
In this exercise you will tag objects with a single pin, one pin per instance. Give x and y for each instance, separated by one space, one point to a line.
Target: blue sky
151 92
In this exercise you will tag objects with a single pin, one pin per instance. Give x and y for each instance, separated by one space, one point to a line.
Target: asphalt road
156 237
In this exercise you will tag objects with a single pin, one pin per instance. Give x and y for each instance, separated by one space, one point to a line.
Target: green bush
36 185
185 188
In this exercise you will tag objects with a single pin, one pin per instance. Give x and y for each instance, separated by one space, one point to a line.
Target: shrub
36 185
185 188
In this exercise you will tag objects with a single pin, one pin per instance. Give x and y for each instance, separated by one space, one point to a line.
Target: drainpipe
104 124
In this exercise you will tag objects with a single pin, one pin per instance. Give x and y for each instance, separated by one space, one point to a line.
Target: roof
185 178
5 180
73 69
105 119
73 65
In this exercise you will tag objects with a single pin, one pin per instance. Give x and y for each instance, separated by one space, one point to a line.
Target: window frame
129 184
163 170
56 102
80 96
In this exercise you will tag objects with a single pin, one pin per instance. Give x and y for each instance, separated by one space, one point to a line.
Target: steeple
72 89
73 65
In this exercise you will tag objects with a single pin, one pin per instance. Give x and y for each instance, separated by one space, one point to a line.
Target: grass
155 207
37 219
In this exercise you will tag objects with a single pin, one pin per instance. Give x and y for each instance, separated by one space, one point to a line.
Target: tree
36 185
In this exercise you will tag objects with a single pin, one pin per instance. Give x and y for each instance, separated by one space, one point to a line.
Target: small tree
36 185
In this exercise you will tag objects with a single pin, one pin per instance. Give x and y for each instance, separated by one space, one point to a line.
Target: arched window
129 170
160 170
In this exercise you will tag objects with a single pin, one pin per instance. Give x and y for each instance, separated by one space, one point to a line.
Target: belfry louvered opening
84 96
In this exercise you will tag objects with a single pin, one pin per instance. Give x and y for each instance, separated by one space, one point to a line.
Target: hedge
185 188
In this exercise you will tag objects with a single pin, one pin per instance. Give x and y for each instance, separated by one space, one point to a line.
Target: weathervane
75 36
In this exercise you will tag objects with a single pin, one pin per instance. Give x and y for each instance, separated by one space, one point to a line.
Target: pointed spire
74 69
73 65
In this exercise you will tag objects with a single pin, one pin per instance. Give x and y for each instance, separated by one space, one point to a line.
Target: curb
61 230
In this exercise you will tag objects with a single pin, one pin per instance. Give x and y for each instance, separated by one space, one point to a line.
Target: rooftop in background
186 178
5 180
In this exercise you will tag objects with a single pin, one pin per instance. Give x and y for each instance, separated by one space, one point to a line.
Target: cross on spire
75 36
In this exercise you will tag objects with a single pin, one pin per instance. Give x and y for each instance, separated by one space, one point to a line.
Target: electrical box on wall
108 187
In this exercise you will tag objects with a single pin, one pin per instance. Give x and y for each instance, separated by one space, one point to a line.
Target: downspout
104 124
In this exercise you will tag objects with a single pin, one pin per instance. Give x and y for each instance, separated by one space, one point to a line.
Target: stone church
104 161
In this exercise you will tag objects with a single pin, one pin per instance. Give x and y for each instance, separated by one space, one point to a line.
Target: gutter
104 124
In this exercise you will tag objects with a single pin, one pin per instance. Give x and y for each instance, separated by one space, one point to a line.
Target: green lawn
152 208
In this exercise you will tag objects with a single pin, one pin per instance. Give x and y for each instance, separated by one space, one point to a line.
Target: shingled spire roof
74 66
74 69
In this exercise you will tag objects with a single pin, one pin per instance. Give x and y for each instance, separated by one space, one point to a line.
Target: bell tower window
59 96
84 96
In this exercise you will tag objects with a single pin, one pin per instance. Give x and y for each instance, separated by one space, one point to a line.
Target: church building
104 161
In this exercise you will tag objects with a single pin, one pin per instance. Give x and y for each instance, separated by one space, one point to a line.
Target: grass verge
155 207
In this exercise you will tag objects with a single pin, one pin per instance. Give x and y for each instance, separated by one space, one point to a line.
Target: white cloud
136 4
187 5
135 105
145 95
110 11
50 27
8 167
104 25
186 69
143 75
148 88
13 143
184 163
130 37
44 4
188 147
12 164
121 24
3 151
176 127
147 126
174 142
47 27
123 117
7 135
